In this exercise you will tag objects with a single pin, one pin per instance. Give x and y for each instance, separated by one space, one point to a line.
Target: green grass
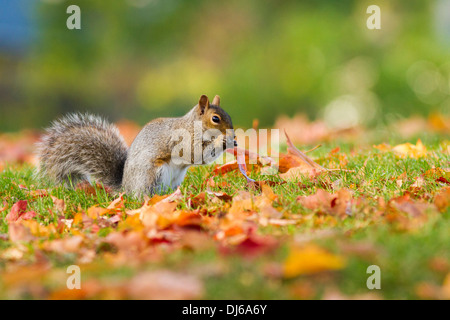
403 256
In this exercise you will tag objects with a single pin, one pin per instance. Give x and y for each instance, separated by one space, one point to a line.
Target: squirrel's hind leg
142 180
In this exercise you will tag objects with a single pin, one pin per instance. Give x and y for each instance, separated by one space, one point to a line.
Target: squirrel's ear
216 101
203 104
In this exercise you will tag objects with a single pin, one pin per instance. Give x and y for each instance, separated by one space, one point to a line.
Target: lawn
286 236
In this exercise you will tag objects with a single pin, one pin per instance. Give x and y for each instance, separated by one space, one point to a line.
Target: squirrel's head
216 123
212 115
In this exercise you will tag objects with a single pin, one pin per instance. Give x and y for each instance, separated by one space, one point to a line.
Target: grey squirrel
87 148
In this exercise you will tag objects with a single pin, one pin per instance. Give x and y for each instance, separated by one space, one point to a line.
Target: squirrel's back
83 147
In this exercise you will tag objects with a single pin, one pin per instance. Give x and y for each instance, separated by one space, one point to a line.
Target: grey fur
82 147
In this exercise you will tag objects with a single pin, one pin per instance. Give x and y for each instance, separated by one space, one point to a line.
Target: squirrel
84 147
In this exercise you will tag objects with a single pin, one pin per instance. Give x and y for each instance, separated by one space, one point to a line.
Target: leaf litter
250 224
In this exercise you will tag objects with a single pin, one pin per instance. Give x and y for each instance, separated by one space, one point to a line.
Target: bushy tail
82 147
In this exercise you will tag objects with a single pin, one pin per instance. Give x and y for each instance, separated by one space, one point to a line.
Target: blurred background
140 59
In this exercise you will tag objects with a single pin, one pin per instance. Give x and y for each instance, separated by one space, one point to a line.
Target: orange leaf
117 203
310 259
298 164
442 199
300 155
95 211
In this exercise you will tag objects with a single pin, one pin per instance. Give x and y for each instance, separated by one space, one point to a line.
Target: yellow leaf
95 211
383 147
132 222
310 259
39 230
410 150
77 219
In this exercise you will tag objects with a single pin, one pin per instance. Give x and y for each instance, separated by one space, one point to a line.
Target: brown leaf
300 155
297 164
227 167
244 159
58 204
92 190
297 173
442 199
221 195
288 161
338 203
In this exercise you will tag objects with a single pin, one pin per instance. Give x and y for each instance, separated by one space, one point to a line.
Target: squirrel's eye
215 119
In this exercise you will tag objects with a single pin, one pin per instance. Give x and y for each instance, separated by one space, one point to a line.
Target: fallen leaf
442 199
117 204
96 211
18 232
18 212
297 164
251 245
221 195
310 259
64 246
152 215
410 150
338 203
58 204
